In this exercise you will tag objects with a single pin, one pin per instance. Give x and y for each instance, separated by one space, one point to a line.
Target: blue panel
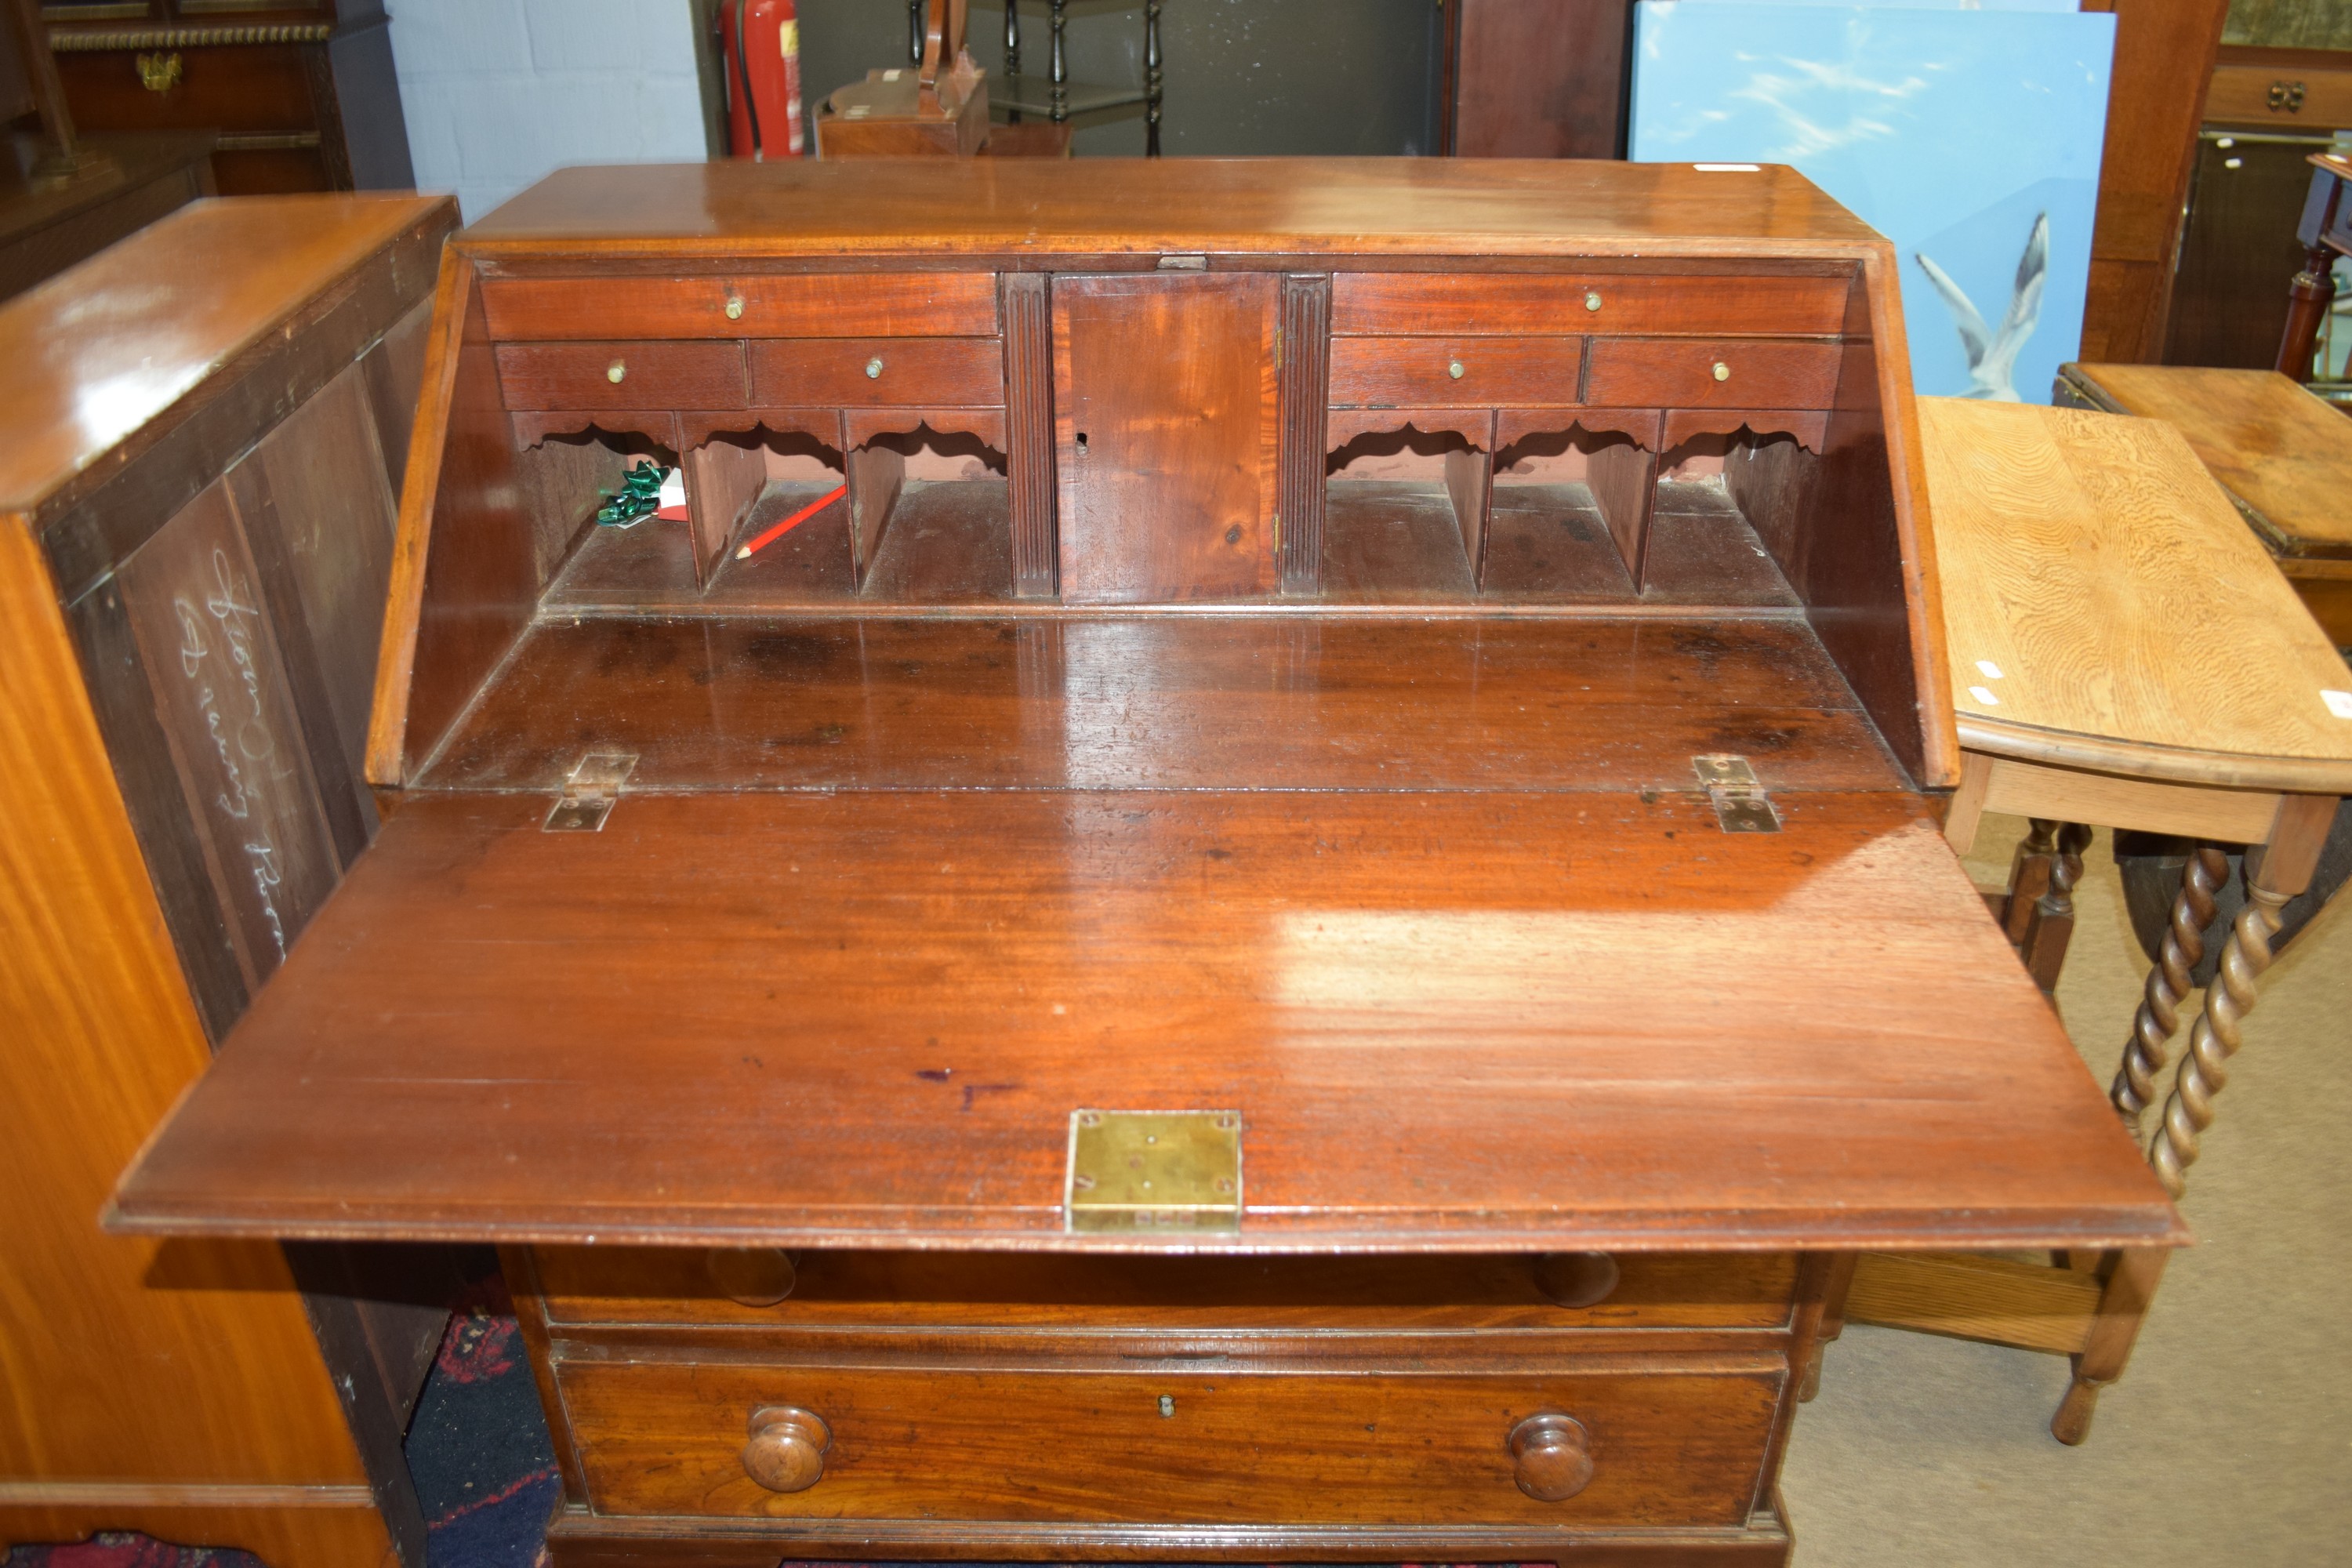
1954 133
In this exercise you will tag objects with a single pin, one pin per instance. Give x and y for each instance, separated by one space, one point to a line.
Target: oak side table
2125 655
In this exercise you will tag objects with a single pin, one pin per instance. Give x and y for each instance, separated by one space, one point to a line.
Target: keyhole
1233 534
1082 441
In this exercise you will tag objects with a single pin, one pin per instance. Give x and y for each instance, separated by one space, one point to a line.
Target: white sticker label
1727 168
1984 695
2339 703
1992 670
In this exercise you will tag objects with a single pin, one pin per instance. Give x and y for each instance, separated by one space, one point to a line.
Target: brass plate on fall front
1160 1171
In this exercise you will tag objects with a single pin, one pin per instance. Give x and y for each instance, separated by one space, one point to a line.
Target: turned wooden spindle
2216 1036
2169 981
786 1450
1554 1457
2051 928
2029 876
1576 1278
753 1276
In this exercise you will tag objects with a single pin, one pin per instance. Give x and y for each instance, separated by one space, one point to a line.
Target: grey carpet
2229 1440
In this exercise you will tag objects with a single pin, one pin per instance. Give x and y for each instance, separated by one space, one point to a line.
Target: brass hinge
1741 804
1158 1170
589 792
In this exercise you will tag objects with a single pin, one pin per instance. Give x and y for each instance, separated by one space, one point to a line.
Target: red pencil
770 535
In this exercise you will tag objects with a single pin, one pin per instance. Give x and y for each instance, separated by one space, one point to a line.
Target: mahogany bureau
1310 925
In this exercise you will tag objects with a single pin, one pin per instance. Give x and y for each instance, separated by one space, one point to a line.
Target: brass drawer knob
1455 370
159 73
1592 300
874 368
734 309
1722 371
1576 1278
616 371
753 1276
786 1453
1554 1462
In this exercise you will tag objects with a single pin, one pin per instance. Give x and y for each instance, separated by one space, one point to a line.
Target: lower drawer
1738 372
1612 1443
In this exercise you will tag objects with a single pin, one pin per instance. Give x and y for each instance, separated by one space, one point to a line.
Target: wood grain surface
1166 412
1420 372
1688 1040
1648 304
100 356
2094 562
1673 1444
1165 702
1295 205
2272 445
1162 1295
867 373
863 305
99 1334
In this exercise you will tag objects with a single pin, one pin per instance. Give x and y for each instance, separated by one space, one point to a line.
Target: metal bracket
589 792
1741 804
1162 1171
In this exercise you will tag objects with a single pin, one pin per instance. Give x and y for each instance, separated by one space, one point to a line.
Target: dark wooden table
1119 991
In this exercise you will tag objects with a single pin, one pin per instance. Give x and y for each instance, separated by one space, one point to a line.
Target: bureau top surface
103 351
1097 206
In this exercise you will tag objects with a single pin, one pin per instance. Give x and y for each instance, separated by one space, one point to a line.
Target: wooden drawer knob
1576 1278
786 1453
1554 1464
1722 371
615 373
753 1276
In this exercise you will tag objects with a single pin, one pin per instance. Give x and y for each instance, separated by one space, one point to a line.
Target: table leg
2126 1285
2276 872
2159 1019
2029 876
2049 924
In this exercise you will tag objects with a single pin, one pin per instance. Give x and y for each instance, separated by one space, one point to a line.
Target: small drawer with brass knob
1455 373
1682 373
875 373
782 305
545 377
1595 1441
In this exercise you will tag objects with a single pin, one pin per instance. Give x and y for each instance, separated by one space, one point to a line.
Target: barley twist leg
2216 1036
2029 876
2159 1019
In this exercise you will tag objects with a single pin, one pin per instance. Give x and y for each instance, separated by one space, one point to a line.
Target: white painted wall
499 93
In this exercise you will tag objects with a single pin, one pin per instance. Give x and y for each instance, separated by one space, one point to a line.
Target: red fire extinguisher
759 43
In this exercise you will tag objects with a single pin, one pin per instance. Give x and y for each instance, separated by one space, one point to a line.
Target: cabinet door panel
1165 419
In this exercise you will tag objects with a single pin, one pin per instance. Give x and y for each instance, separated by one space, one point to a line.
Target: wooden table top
2137 626
1437 906
2283 453
104 352
1455 1021
1508 206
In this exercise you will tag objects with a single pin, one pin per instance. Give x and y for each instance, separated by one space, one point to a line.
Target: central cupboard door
1166 423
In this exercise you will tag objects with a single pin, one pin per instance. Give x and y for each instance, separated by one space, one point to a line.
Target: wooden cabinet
210 424
301 93
1119 991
